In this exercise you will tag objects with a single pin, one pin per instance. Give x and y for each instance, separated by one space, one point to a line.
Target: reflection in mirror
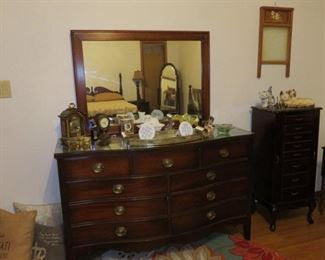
169 101
107 61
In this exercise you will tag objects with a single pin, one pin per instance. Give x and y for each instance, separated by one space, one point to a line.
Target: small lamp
138 78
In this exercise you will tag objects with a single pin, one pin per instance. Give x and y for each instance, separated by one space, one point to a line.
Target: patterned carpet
215 247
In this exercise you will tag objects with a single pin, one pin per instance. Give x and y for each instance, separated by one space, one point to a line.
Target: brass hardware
211 215
119 210
118 189
295 179
296 166
98 168
224 153
167 163
297 145
120 231
298 137
211 176
294 193
298 128
211 195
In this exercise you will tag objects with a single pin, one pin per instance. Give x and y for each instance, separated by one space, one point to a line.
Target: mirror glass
105 63
169 101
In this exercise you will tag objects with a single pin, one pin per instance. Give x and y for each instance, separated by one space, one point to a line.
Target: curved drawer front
154 162
208 216
94 166
207 195
299 118
118 211
119 231
116 189
295 180
195 179
296 166
224 152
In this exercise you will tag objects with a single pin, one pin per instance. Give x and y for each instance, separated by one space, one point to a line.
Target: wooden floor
294 238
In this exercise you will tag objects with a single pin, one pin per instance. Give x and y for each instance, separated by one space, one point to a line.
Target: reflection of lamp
138 78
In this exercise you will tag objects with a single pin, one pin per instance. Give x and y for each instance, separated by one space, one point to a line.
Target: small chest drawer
300 118
295 180
192 199
223 152
298 146
93 167
296 154
296 193
297 128
210 215
298 137
199 178
153 162
116 189
119 231
296 166
118 210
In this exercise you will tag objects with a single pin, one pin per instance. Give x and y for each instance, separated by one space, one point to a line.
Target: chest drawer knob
211 215
167 163
224 153
120 231
211 195
211 176
119 210
118 189
98 168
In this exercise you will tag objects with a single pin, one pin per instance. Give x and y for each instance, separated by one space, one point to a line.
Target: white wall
35 54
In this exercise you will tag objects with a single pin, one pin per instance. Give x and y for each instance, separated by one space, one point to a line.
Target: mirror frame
77 36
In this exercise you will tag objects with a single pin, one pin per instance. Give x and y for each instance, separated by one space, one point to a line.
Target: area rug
215 247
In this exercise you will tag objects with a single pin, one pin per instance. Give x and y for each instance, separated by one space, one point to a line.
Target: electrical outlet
5 89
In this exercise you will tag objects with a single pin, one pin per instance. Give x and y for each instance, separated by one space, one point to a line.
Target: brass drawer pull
299 119
120 231
211 215
297 145
298 137
211 176
118 189
294 193
298 128
296 154
98 168
224 153
119 210
211 195
295 180
296 166
167 163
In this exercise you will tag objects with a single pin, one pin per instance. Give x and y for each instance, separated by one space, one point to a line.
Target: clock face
103 122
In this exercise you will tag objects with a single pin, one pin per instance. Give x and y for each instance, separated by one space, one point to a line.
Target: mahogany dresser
136 197
285 150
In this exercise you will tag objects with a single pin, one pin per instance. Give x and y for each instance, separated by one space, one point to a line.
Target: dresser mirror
113 65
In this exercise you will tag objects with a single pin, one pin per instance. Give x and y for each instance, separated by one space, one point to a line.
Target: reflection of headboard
92 91
194 100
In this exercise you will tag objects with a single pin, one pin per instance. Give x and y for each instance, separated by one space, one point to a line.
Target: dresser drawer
297 137
116 189
295 180
224 152
199 178
118 231
296 193
211 194
299 118
94 167
297 128
298 146
296 166
210 215
153 162
297 154
118 210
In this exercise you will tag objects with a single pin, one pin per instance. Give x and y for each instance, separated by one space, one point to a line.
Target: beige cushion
47 214
109 96
16 235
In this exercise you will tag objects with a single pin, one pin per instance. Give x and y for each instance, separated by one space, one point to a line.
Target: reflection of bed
103 100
